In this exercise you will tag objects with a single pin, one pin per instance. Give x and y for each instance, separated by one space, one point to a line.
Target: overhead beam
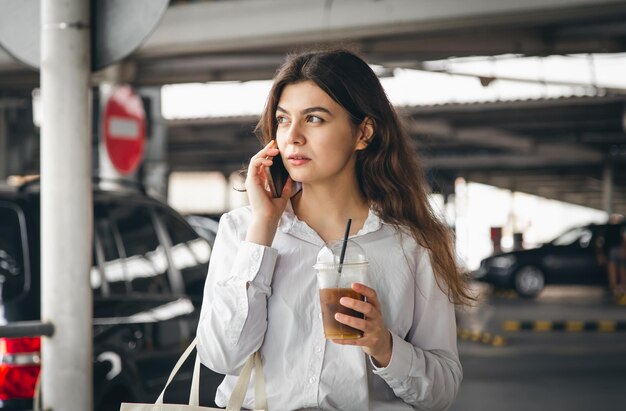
213 67
389 32
7 62
220 26
213 121
506 161
494 137
481 136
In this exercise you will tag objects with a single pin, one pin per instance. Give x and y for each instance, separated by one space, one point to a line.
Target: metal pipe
26 329
66 205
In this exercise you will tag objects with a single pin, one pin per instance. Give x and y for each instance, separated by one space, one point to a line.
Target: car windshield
572 236
11 254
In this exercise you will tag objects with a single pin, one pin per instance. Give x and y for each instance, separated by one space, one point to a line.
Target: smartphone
277 176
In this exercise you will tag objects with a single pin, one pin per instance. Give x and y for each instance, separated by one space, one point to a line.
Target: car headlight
503 261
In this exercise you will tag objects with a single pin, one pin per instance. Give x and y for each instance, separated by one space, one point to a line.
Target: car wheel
529 281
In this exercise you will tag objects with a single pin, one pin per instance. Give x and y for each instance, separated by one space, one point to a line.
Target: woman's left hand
376 340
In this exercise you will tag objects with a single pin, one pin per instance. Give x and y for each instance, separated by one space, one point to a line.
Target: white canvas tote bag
236 399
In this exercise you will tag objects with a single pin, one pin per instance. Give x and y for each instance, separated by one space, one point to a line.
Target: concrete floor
543 370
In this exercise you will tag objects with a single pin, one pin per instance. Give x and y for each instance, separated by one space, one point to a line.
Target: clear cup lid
330 255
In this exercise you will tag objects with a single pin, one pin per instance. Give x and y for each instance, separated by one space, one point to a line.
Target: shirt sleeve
233 318
425 371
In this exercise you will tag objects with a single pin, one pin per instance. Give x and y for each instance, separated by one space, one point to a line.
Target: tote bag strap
260 394
194 393
239 392
179 364
241 386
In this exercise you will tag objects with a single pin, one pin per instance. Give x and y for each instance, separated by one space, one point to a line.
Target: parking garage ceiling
247 39
558 148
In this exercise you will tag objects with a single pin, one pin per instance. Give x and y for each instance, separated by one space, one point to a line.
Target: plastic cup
334 284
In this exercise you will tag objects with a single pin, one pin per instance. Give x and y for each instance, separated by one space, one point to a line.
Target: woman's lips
298 160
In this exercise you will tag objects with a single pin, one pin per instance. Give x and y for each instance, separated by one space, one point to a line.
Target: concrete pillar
155 167
607 188
66 205
4 146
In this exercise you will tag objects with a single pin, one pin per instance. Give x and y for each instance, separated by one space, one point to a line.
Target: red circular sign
124 128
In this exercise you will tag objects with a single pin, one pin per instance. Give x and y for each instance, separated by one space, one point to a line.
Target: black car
575 257
206 227
148 274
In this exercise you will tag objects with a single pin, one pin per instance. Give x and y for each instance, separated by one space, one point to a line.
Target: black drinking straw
345 243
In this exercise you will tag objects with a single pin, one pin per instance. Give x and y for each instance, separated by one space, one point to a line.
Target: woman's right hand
265 209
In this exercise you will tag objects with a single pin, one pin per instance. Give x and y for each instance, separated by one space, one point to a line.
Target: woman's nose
295 134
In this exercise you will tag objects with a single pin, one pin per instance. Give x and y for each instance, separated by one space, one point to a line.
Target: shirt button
318 349
312 380
320 315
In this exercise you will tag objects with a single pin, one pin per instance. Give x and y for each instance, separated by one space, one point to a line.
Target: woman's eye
315 119
281 120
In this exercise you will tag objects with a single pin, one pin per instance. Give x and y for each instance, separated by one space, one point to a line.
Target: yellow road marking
606 325
574 325
462 333
542 325
498 341
480 337
511 326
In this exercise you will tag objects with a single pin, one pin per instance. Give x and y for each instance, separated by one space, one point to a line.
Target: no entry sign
124 129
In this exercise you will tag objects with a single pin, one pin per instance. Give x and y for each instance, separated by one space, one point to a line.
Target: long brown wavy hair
388 170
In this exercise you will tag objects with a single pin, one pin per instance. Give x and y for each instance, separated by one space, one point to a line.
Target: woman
342 142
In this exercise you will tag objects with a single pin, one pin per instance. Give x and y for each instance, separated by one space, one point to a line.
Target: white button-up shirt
279 313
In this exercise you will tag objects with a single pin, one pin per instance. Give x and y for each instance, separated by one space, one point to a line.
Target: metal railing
26 329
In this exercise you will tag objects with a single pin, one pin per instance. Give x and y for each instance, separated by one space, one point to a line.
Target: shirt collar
291 224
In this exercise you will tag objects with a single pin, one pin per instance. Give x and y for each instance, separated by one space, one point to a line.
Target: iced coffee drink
335 281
